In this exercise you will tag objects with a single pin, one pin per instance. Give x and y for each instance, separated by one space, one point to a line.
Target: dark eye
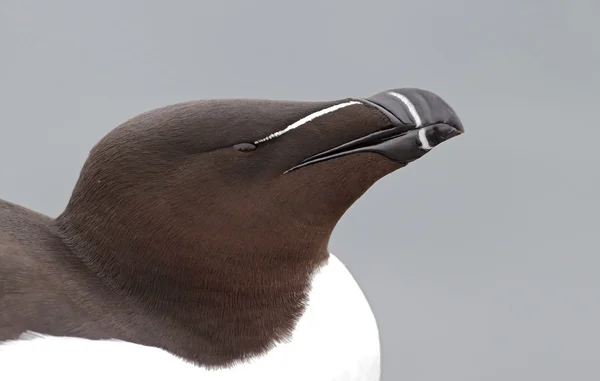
244 147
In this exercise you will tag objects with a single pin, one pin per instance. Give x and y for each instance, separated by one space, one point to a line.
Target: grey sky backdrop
480 260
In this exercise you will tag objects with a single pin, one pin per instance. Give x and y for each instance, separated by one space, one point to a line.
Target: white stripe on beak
410 106
423 139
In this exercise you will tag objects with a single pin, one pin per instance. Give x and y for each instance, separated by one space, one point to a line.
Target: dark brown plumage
164 205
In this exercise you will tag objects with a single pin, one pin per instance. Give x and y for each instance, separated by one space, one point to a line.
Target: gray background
480 260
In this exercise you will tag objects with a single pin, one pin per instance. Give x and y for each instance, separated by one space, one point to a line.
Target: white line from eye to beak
423 139
410 106
307 119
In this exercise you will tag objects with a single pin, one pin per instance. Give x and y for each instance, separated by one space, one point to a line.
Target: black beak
420 120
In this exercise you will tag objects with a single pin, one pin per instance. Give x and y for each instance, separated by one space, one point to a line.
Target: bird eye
244 147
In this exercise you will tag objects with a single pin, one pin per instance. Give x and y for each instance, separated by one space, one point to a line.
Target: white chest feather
336 340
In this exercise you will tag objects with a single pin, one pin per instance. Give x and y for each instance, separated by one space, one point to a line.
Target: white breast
336 340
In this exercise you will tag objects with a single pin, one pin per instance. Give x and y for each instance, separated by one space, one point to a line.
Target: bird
195 243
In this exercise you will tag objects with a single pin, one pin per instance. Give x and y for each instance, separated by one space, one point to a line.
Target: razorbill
195 243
